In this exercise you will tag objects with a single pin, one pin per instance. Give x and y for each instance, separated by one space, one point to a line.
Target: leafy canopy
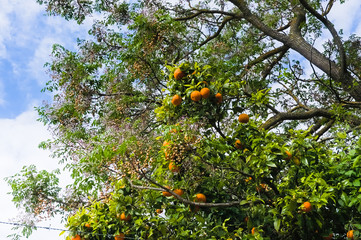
127 145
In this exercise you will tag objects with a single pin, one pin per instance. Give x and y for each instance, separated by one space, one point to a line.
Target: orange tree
182 121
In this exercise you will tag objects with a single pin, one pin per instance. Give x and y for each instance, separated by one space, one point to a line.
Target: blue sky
25 46
26 38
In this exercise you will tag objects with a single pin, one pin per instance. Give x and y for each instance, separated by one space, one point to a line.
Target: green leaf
277 224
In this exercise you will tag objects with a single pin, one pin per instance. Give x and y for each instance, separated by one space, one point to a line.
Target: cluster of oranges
195 96
120 236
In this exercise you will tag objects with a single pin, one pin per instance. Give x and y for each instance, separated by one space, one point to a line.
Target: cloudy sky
26 37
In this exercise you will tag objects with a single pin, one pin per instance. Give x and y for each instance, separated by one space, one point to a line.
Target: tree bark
299 44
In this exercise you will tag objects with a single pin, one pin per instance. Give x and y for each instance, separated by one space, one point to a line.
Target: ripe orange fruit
165 143
329 237
200 197
205 92
87 225
178 74
306 207
243 118
77 237
125 218
196 96
159 211
178 192
165 193
120 236
248 179
238 144
176 100
174 168
219 97
253 230
350 234
289 155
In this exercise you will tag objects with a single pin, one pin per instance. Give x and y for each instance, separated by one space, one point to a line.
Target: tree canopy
203 120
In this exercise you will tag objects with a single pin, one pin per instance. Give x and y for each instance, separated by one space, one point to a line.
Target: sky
26 39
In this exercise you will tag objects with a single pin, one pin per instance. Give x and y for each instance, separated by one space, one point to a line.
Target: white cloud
41 56
345 16
4 27
18 147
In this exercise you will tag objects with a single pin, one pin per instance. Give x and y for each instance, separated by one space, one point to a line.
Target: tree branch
299 44
186 201
295 116
332 30
266 55
204 11
325 128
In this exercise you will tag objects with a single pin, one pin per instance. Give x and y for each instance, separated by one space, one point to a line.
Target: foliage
116 129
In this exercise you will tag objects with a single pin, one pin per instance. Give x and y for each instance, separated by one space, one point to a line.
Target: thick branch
205 11
267 55
295 116
333 32
325 128
299 44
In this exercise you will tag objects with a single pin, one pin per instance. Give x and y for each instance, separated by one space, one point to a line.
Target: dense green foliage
115 127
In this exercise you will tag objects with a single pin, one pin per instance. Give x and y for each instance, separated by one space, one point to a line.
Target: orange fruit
173 130
219 97
77 237
176 100
205 92
159 211
87 225
120 236
178 74
123 217
196 96
306 207
253 230
200 197
165 143
174 168
243 118
289 155
238 144
178 192
350 234
165 193
248 179
329 237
